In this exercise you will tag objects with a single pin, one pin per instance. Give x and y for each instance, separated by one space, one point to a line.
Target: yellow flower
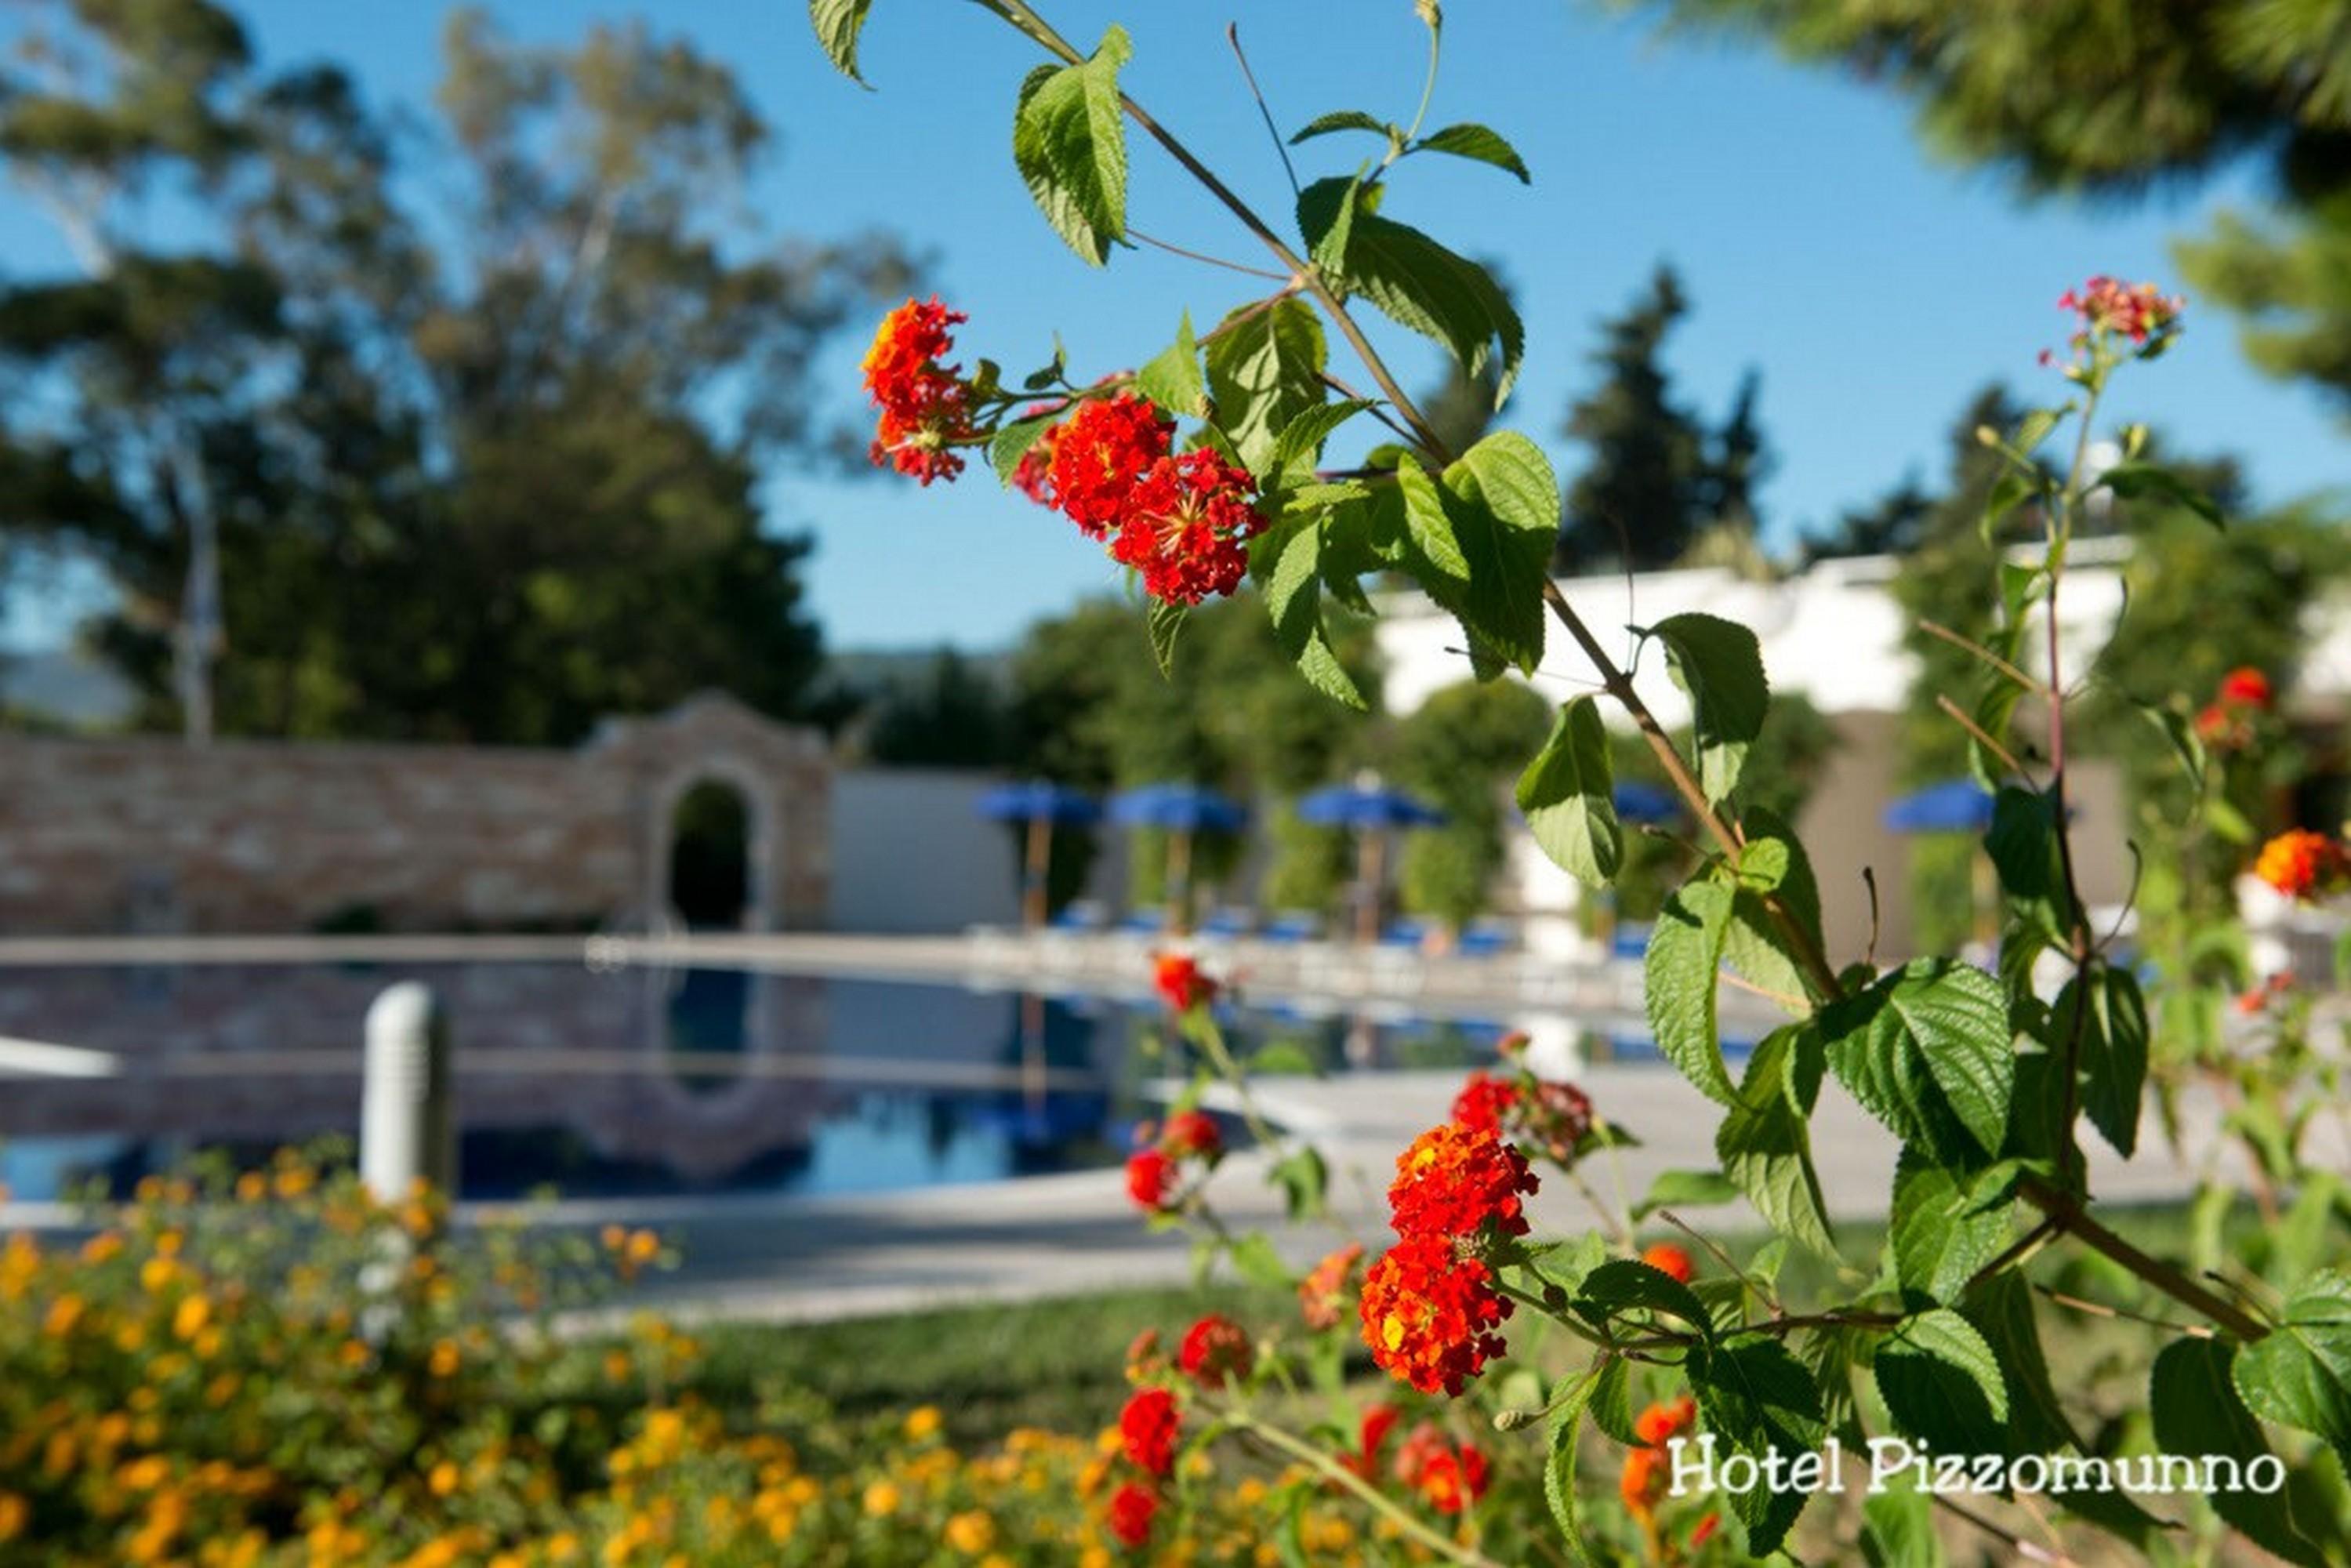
64 1312
442 1480
156 1273
13 1510
880 1499
102 1247
252 1187
971 1534
922 1422
190 1317
443 1362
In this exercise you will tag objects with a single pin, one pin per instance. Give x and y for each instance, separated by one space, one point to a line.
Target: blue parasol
1954 806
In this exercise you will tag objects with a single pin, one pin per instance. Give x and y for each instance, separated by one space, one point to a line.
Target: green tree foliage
454 420
2088 96
950 716
1090 707
1658 479
1459 750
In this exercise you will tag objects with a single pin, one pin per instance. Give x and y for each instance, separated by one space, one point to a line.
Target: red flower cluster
1151 1179
1176 976
2303 865
925 406
1099 453
1147 1429
1454 1181
2135 311
1322 1294
2227 719
1542 1114
1033 475
1670 1261
2255 999
1214 1349
1430 1314
1189 1135
1183 521
1448 1477
1186 527
1132 1509
1649 1470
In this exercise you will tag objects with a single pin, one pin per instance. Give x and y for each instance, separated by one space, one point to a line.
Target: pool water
638 1082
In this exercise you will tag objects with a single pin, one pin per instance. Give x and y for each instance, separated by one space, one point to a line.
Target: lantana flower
1186 526
1099 453
2301 864
1215 1349
1430 1315
1454 1181
1147 1428
1670 1261
925 404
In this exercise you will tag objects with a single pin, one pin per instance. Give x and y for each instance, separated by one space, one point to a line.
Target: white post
408 1125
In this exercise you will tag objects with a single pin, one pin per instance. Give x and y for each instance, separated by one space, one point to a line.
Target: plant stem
1346 1479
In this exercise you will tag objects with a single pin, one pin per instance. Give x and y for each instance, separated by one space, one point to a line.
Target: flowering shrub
227 1373
1213 455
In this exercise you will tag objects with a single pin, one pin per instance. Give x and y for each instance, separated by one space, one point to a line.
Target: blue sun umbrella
1954 806
1639 802
1373 811
1182 810
1043 805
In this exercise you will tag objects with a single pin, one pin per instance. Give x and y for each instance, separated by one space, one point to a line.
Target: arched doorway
710 856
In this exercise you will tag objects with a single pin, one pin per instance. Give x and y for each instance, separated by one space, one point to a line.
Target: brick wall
146 834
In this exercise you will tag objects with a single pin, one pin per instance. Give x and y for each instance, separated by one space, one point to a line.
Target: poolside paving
1064 1235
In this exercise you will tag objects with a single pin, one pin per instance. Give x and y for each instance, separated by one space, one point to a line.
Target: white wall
911 852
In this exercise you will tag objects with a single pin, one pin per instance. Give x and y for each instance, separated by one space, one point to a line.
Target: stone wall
146 834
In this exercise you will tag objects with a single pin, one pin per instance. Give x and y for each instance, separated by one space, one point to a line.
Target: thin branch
1982 736
1281 148
2101 1309
1156 244
1968 644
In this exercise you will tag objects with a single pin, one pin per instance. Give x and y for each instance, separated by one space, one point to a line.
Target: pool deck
1068 1235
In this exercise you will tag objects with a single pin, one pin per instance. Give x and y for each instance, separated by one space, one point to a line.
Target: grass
988 1368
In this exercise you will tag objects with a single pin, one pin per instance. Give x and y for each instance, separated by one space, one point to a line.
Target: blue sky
1874 288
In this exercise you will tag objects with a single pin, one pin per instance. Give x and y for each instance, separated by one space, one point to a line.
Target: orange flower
1180 981
2302 864
1668 1259
1430 1315
1214 1349
925 406
1456 1181
1647 1470
1322 1294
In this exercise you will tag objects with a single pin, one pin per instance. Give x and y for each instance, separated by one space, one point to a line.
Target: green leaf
1628 1284
1927 1050
1163 620
1265 370
1938 1235
1612 1402
1255 1260
2008 489
1172 379
2000 1308
1303 1179
2137 481
1942 1383
1897 1526
1681 973
1759 1400
1283 1059
839 24
1287 564
1299 448
1721 665
1765 1140
1567 1402
1342 120
1565 794
1758 947
1478 142
2113 1053
1012 442
2299 1374
1686 1189
1068 140
2197 1412
1478 540
1414 281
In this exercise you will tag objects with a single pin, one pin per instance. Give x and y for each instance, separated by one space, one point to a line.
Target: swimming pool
629 1083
